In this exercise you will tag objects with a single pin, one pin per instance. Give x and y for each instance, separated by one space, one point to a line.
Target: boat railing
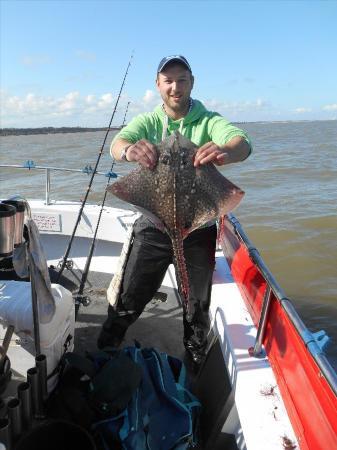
309 338
30 165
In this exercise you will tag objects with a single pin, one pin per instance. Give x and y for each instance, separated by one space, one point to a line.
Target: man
219 143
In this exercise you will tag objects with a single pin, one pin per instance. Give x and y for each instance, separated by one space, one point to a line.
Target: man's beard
180 106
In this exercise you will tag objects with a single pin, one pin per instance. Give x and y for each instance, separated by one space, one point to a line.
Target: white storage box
56 337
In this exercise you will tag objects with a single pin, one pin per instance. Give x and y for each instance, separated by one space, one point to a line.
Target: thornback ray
178 197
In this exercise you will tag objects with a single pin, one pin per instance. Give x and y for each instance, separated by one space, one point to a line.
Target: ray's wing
215 195
137 188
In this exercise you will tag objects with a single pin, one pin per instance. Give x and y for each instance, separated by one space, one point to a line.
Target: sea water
289 211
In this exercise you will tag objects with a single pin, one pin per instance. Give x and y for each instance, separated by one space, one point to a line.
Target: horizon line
119 126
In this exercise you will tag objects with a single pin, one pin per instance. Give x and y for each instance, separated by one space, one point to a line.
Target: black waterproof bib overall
151 254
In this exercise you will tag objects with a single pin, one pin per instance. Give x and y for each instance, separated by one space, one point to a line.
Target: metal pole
60 169
257 352
35 307
47 185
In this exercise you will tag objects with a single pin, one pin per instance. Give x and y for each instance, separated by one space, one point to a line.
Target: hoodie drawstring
166 120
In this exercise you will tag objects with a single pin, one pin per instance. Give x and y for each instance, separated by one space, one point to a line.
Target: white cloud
302 110
95 109
146 103
105 100
28 104
72 108
89 99
235 108
332 107
68 102
150 96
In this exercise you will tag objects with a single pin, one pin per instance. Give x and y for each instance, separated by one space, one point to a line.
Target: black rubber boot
108 339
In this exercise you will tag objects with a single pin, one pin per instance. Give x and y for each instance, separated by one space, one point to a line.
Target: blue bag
162 413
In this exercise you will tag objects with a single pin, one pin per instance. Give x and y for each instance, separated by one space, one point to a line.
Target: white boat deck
257 416
259 405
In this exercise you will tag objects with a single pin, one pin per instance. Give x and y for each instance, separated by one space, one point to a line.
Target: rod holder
41 364
25 395
14 415
37 402
5 433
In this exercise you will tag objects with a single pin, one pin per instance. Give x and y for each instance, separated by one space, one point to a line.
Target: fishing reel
83 300
80 300
69 264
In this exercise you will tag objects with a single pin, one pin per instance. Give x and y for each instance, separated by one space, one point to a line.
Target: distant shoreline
57 130
50 130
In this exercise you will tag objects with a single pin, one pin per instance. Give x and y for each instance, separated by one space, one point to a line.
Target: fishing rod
79 297
65 257
126 111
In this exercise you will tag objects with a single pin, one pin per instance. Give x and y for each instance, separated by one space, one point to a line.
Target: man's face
175 84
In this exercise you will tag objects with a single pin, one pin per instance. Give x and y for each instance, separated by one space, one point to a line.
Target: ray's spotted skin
178 197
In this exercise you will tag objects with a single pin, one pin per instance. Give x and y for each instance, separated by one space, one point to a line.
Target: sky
63 62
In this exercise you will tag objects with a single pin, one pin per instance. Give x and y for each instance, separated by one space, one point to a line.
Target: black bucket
56 435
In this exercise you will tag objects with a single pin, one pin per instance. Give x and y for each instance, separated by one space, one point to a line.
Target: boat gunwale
305 334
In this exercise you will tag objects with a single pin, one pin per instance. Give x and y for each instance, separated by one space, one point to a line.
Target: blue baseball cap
168 59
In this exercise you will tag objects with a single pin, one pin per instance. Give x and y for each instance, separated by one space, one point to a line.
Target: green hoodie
200 126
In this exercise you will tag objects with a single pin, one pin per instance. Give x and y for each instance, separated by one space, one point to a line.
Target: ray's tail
180 266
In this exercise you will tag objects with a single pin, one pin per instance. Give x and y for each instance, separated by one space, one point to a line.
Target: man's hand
210 152
237 149
144 153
